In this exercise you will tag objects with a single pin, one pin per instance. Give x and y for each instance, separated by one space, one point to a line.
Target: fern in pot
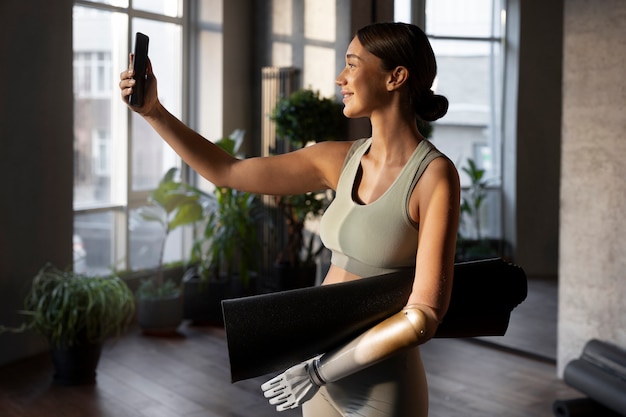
76 313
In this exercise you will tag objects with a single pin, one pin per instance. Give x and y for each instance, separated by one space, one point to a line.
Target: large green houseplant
172 204
302 118
76 313
226 253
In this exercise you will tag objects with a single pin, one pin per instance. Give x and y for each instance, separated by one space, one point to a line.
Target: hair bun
432 107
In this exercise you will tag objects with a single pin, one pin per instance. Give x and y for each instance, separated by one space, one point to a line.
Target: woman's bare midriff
336 275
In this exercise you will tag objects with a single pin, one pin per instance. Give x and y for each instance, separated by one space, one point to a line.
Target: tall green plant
228 243
296 209
305 116
69 308
172 204
301 118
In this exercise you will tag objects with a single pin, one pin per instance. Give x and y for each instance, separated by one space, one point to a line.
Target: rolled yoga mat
607 356
484 293
604 387
581 407
271 332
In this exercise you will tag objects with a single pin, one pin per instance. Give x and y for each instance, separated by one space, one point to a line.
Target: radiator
276 83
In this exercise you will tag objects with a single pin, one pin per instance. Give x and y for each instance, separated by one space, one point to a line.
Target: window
118 158
467 38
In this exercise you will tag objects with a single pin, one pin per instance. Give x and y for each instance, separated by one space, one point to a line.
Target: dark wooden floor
188 376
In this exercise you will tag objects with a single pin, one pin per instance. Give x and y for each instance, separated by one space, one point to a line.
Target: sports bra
379 237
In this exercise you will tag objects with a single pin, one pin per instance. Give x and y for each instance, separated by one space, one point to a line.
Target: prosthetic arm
412 326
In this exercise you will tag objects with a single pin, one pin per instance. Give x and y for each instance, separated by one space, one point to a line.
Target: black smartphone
140 60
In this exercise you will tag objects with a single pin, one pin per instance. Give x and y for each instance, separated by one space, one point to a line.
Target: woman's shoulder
337 149
331 157
342 144
440 170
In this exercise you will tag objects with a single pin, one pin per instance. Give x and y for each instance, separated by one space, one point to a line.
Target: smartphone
140 60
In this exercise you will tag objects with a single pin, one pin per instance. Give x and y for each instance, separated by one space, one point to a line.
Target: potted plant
159 300
303 118
226 252
477 247
76 313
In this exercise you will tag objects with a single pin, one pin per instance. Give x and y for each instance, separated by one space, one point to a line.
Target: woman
395 193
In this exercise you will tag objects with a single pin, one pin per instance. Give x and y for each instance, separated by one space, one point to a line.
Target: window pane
402 11
93 242
467 18
468 76
151 157
319 24
209 85
99 42
118 3
171 8
464 77
211 11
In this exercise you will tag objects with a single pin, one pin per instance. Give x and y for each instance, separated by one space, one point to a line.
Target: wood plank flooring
188 376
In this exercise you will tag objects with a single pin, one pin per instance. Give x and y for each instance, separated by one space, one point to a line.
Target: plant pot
203 300
473 249
290 277
160 316
76 365
170 273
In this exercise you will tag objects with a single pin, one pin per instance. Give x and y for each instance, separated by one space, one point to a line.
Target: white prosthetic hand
293 387
410 327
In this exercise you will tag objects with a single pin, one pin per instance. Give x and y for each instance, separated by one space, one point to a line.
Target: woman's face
362 82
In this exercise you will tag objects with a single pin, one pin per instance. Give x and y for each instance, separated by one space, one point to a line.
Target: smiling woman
396 175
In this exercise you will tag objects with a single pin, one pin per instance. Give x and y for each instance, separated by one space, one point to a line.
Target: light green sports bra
380 237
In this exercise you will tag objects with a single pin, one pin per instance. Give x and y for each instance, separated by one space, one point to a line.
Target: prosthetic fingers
409 327
293 387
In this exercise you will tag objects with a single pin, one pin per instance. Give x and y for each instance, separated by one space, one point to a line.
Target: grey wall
592 265
36 152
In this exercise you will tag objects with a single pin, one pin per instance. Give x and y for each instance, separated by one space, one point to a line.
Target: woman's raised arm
313 168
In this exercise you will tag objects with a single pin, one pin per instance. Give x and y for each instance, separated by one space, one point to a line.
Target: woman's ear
397 78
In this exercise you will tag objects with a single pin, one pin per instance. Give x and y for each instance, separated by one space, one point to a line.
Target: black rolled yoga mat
271 332
606 388
484 293
607 356
581 407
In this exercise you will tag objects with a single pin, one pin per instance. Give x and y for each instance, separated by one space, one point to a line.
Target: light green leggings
395 387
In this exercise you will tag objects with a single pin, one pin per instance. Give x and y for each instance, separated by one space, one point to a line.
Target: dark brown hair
403 44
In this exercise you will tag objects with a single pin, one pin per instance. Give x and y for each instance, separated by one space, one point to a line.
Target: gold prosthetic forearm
407 328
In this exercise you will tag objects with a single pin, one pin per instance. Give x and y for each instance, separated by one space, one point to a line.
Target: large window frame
123 198
487 153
